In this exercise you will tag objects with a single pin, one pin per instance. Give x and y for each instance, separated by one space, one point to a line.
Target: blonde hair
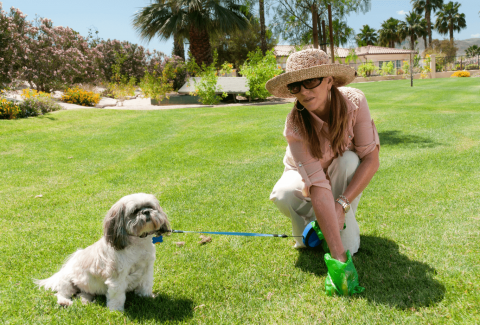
337 123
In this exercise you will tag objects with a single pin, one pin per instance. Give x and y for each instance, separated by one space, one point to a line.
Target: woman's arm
326 211
363 175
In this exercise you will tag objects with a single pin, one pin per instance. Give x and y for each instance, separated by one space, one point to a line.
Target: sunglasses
294 88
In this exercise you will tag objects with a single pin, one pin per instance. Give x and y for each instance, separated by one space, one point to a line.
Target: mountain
461 44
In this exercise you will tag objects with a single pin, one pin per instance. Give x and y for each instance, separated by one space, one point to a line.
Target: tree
263 39
472 51
199 19
427 6
450 20
389 33
234 47
342 33
367 36
295 20
412 27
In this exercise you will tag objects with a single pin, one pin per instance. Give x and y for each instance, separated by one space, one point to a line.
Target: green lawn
212 169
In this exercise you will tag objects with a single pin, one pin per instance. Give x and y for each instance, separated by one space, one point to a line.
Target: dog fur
121 261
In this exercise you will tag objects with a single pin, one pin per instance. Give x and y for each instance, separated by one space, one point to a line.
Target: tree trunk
320 38
178 48
263 40
425 41
314 24
200 46
428 18
451 32
412 42
330 28
324 30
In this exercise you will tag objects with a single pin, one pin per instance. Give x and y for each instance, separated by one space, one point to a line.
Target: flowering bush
80 97
30 93
461 74
38 105
258 69
8 109
178 65
13 27
207 87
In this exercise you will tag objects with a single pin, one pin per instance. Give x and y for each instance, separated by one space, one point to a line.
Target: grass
212 169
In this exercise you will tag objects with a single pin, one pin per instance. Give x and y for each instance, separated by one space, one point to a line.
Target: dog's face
137 215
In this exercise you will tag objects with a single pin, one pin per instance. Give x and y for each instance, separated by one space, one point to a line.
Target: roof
286 50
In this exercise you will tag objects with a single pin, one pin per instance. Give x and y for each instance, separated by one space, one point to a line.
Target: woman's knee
347 163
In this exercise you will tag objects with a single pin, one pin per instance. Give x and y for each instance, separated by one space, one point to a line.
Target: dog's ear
114 227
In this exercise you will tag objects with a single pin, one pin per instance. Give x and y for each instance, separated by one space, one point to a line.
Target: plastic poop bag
342 278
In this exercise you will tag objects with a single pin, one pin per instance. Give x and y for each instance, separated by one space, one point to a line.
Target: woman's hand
340 215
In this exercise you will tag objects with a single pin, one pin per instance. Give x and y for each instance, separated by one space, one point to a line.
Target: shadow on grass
162 308
397 138
389 277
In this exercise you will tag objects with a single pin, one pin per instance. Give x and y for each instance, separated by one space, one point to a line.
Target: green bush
207 87
35 106
258 69
472 67
367 69
387 69
157 85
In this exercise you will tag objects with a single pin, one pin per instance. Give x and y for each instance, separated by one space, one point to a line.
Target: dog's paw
64 301
86 298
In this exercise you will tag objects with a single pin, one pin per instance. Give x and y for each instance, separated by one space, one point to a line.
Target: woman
332 151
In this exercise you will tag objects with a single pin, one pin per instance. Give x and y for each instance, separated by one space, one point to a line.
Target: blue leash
159 239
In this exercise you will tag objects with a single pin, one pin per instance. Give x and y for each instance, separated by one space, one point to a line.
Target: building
377 54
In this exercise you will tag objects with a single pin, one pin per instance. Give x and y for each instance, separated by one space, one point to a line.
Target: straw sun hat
307 64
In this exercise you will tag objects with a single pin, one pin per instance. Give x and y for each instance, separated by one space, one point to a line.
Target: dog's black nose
147 215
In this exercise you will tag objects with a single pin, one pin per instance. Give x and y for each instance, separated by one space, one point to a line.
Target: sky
112 18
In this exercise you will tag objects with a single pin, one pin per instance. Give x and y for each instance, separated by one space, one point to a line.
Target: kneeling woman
332 151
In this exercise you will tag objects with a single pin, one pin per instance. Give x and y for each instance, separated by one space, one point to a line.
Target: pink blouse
361 137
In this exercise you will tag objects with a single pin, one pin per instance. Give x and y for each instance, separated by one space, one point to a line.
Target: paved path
144 104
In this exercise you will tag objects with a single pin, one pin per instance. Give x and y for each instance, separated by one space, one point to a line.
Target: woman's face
315 99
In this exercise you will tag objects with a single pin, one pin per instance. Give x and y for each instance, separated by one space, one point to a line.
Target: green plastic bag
342 278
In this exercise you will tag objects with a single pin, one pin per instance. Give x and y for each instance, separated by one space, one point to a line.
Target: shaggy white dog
121 261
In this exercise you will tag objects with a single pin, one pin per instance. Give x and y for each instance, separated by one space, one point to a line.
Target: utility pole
332 53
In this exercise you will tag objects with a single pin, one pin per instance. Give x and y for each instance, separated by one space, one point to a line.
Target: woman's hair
337 125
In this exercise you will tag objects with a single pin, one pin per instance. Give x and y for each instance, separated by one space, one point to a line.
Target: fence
420 65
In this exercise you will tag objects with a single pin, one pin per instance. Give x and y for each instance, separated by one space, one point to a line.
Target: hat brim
342 75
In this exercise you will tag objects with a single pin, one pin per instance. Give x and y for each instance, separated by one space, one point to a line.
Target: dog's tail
53 283
59 280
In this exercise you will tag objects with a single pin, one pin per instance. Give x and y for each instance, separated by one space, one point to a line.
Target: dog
121 261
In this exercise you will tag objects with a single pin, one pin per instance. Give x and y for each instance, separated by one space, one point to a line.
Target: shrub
387 69
80 97
157 86
366 69
471 67
461 74
207 87
400 72
29 93
34 106
258 69
8 109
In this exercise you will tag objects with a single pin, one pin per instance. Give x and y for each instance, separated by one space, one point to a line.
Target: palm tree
389 34
367 36
472 51
263 38
412 27
196 20
450 20
427 6
342 33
